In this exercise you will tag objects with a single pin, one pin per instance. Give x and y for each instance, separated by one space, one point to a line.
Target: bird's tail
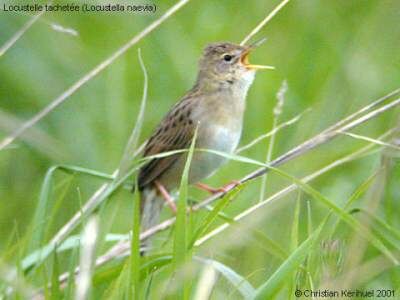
151 204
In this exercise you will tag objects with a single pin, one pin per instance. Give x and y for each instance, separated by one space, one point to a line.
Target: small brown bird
215 105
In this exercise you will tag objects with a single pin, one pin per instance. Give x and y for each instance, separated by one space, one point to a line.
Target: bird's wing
175 132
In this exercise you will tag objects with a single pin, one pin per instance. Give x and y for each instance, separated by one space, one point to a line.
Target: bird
214 107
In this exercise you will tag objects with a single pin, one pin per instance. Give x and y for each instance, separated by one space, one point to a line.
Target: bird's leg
224 189
207 188
227 187
166 196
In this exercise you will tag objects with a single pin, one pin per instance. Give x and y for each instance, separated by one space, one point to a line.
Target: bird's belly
218 138
203 164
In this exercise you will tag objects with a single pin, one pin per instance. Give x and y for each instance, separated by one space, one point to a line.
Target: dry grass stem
9 275
37 138
371 140
329 243
364 109
94 201
294 187
206 283
19 34
123 248
131 151
273 131
280 96
319 139
88 246
264 22
323 137
94 72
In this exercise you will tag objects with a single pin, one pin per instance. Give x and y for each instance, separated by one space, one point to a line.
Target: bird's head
228 64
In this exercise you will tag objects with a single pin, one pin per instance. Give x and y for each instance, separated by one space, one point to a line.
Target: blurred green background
336 56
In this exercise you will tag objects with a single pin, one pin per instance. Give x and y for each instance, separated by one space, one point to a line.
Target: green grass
255 242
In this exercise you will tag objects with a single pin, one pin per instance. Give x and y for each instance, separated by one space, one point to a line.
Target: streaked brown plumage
216 105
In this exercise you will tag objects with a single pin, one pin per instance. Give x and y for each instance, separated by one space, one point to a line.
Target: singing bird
215 105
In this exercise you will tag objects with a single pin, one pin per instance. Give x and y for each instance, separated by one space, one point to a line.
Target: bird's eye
227 57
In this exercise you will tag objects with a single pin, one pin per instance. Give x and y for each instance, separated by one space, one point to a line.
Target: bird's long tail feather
151 206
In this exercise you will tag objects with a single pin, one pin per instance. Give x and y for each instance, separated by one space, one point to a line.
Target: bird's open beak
244 58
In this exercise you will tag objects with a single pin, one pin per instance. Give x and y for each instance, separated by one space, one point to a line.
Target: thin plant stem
94 72
276 113
370 140
264 21
306 146
122 248
96 199
272 132
87 256
32 20
294 187
322 138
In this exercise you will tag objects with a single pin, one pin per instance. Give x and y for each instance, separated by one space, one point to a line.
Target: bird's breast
219 117
220 126
219 137
213 137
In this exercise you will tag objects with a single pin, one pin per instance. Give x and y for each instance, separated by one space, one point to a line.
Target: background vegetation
336 56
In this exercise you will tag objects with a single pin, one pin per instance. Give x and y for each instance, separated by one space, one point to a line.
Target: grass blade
238 281
125 165
102 193
87 257
71 266
206 283
180 239
295 225
41 210
44 198
350 220
269 244
355 196
131 145
134 278
213 215
55 285
383 229
268 289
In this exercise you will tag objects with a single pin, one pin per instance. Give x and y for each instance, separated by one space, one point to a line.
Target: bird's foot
207 188
231 185
224 189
